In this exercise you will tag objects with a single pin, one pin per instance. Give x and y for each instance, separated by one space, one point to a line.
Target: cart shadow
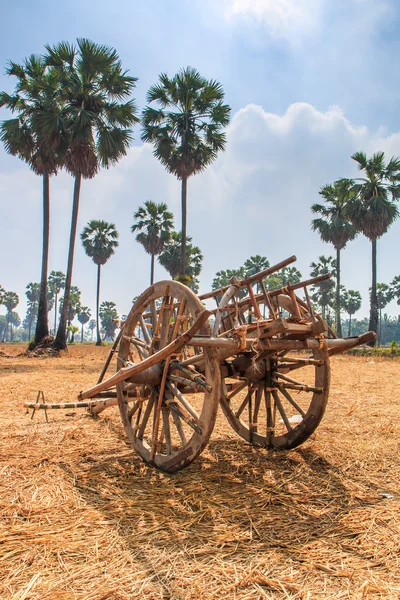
233 496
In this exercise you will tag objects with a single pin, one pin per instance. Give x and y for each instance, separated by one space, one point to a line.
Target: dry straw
84 518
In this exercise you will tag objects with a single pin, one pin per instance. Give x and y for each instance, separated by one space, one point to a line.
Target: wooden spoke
257 404
278 404
183 400
183 415
167 431
270 416
292 402
178 424
165 324
243 405
302 388
144 329
239 387
134 408
139 412
146 416
298 384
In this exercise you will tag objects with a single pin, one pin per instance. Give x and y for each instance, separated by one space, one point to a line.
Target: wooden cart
262 355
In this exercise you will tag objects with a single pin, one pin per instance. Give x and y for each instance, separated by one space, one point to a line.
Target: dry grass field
84 518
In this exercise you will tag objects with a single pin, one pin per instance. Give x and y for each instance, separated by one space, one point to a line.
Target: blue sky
309 82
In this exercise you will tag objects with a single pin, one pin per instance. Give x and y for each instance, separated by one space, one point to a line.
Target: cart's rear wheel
171 421
282 402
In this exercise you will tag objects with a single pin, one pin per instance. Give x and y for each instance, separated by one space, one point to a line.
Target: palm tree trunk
82 334
338 323
60 343
349 324
373 316
42 324
184 215
98 343
55 313
152 269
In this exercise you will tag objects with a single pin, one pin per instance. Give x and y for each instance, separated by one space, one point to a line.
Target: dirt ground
84 518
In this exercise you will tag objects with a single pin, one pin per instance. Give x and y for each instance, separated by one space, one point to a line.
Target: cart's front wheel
170 420
282 401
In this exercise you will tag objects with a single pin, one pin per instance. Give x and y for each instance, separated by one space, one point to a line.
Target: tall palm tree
83 317
187 128
35 136
373 208
334 228
99 240
351 302
97 120
10 301
171 255
323 291
56 284
154 223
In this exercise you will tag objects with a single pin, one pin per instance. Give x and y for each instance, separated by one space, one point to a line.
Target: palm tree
33 295
97 122
171 255
254 265
56 283
154 223
92 326
36 137
372 210
108 313
83 317
99 240
10 301
323 291
333 227
187 128
351 302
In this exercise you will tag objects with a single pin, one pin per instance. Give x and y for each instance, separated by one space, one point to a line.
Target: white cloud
281 18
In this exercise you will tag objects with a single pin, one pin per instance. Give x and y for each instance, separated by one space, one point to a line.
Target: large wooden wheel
170 420
281 400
